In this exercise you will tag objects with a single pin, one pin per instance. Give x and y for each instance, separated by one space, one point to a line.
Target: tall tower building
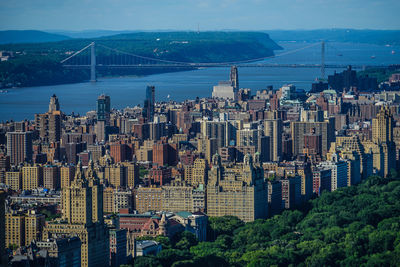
273 129
149 102
54 104
382 136
382 126
234 77
33 226
49 123
97 193
103 108
19 147
67 174
3 256
82 218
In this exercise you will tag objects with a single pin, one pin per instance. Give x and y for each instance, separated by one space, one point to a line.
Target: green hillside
381 37
38 63
353 226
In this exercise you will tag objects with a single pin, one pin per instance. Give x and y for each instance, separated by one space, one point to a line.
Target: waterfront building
149 102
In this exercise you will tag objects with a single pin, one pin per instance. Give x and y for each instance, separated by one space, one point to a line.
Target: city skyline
203 15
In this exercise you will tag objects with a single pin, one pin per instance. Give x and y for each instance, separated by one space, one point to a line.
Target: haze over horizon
74 15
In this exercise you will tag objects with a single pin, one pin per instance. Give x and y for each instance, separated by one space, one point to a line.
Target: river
23 103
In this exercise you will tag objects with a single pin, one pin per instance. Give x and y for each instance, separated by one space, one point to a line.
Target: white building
339 172
224 90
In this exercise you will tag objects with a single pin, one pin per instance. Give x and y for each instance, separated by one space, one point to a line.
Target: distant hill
177 46
12 37
37 64
391 37
89 33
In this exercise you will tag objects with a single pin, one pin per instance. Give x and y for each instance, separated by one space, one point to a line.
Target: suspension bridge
86 59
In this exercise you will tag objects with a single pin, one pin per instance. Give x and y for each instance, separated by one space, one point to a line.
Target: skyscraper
148 107
234 77
83 218
273 129
382 126
49 123
103 108
19 147
54 104
382 136
3 256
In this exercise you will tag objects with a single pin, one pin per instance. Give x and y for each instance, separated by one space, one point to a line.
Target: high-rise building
54 105
67 173
103 108
83 218
34 224
32 177
19 147
353 144
211 147
382 135
247 137
217 130
291 191
324 128
14 180
118 152
118 247
131 174
3 255
96 151
49 123
242 183
313 144
149 102
234 77
108 200
115 175
4 166
51 177
62 251
274 198
15 230
321 180
273 129
197 174
338 172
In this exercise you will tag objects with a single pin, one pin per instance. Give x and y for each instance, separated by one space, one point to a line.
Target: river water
23 103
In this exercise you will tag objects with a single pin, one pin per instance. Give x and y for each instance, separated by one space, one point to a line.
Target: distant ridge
391 37
29 36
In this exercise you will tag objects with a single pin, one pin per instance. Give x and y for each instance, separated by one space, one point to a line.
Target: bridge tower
323 60
92 62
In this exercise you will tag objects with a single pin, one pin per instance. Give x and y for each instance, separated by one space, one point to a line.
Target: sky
79 15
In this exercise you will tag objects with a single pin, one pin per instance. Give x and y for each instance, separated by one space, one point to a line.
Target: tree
145 261
185 240
222 225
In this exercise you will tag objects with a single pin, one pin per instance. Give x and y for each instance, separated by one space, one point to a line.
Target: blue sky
208 14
